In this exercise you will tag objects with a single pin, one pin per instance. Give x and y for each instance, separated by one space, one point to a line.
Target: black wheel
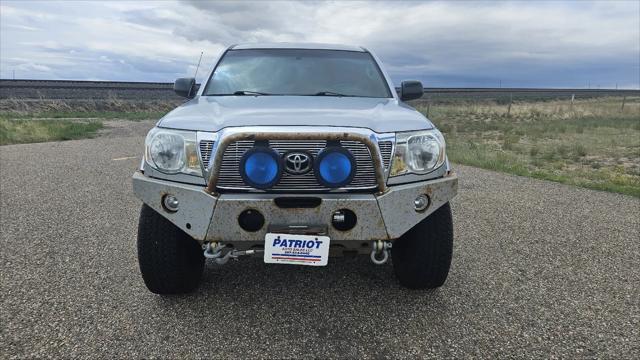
171 261
422 256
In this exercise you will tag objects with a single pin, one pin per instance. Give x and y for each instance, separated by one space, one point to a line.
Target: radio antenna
198 67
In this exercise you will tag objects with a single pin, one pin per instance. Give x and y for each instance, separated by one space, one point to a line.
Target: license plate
310 250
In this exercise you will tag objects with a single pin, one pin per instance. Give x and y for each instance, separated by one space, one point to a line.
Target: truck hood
212 113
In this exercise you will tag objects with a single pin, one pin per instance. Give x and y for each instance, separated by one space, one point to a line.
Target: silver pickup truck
295 153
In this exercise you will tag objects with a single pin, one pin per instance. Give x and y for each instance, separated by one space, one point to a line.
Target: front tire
422 256
171 261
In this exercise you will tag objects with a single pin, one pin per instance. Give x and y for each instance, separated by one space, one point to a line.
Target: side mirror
411 89
185 87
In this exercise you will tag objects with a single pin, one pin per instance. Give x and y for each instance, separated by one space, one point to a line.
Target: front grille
205 151
385 151
230 175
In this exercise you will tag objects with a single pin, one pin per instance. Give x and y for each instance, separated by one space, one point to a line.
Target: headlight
418 152
172 151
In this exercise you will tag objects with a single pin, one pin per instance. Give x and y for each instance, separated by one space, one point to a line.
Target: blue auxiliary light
335 167
260 167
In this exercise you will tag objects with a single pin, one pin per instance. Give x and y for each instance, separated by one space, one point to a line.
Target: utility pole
14 74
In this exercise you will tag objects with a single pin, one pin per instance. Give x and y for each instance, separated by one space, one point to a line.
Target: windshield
297 72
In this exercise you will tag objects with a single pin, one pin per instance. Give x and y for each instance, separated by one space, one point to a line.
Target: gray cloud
563 44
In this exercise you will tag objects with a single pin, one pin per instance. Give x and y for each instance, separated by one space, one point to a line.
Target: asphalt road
539 270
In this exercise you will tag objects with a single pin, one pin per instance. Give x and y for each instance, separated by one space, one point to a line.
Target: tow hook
380 248
214 250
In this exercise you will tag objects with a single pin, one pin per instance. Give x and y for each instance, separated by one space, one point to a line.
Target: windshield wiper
329 93
245 92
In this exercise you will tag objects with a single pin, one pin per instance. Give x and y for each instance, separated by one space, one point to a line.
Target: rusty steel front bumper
208 216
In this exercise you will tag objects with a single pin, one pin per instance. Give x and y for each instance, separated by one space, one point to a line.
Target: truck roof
288 45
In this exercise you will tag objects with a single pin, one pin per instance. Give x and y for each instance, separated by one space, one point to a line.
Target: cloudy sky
451 44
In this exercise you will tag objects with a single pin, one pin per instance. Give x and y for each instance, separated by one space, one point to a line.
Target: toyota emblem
297 163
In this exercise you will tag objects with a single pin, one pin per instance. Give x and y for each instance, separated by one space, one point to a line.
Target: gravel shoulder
539 270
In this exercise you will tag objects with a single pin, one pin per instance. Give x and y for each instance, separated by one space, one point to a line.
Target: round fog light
334 167
170 203
421 203
260 167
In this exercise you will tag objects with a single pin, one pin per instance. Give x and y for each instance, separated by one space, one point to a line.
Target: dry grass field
592 143
31 131
32 120
39 120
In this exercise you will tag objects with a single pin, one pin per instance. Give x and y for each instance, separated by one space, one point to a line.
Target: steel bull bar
296 133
